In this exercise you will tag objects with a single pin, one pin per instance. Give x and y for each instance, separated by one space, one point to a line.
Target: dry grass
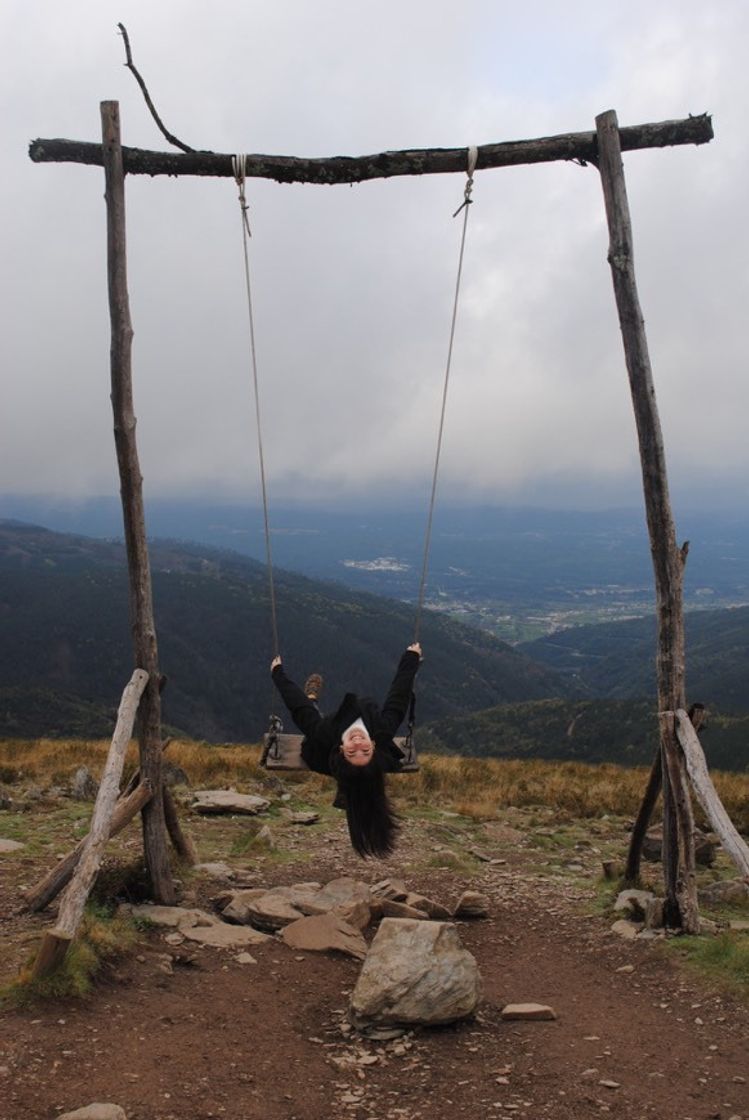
477 788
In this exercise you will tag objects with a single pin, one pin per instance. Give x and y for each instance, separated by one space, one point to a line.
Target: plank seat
284 752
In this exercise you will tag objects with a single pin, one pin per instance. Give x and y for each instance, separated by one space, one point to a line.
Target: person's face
357 747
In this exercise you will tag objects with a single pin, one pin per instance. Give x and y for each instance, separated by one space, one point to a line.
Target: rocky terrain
184 1029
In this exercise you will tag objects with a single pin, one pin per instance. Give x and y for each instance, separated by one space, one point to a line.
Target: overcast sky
353 285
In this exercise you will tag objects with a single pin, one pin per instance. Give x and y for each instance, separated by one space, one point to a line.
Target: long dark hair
372 824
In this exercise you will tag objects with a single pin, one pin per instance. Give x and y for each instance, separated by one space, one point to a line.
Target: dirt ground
635 1036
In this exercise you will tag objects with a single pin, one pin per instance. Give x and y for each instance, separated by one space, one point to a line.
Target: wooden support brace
707 795
183 843
74 901
53 882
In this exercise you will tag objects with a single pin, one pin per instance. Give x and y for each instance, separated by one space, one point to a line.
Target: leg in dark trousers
303 710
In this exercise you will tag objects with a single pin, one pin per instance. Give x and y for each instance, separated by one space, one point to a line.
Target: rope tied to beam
473 155
465 207
238 167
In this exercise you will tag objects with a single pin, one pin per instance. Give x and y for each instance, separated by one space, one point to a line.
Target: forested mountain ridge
65 649
617 660
624 732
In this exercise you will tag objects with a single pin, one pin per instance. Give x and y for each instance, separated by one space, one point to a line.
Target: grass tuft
724 959
101 940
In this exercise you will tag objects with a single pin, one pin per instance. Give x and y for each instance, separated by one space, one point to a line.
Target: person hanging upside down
355 745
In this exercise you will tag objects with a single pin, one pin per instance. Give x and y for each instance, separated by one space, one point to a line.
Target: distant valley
65 651
520 574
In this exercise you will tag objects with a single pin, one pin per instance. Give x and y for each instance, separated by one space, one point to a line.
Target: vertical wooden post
668 558
131 492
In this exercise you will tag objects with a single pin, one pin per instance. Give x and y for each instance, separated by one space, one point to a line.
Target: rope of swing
465 206
238 167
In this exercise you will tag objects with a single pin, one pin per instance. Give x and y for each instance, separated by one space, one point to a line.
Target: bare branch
152 108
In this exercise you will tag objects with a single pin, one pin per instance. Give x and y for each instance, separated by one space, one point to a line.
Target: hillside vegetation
624 732
65 650
617 660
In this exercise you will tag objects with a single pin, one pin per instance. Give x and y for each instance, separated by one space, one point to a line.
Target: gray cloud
353 286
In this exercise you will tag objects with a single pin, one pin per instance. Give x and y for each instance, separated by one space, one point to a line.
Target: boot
313 686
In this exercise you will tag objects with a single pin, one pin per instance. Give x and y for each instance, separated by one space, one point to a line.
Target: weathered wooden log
579 146
135 776
183 843
642 820
668 559
53 882
698 715
56 942
131 491
707 795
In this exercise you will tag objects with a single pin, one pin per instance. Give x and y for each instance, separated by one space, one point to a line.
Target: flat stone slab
223 936
219 870
530 1012
324 933
209 801
626 929
389 908
11 845
279 906
96 1111
174 917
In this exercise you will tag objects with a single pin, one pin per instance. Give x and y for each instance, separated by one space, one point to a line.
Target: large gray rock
634 903
729 890
209 801
416 972
10 845
84 787
705 849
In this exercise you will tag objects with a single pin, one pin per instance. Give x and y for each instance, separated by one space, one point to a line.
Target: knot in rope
473 155
238 164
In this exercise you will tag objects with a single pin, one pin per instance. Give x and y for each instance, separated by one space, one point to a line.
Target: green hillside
620 731
617 660
65 646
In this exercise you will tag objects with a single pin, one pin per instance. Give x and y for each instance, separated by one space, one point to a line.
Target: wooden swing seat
284 752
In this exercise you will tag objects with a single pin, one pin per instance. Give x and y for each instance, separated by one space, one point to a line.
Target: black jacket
323 734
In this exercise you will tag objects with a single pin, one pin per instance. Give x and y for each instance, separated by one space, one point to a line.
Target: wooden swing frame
600 148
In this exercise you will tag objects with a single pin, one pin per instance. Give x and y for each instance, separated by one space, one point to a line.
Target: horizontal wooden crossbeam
581 147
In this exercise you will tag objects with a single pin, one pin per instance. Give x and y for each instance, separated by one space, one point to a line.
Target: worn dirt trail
634 1037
